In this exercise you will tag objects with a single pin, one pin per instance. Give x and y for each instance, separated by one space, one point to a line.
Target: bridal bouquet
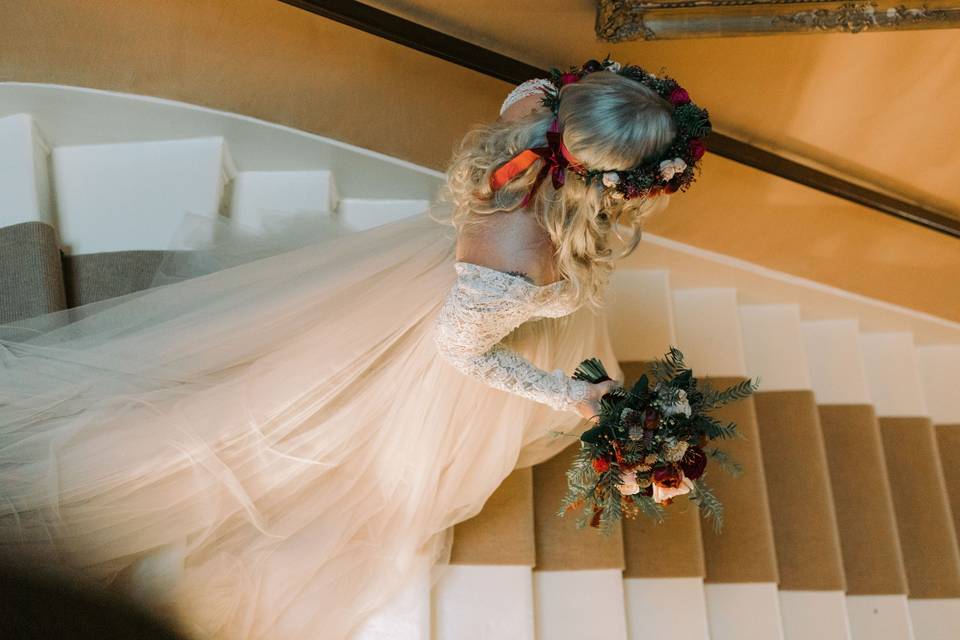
650 445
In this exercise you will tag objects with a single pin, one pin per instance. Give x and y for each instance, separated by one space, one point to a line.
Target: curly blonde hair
609 122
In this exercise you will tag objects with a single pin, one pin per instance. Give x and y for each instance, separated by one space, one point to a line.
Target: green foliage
649 507
725 462
591 370
710 506
713 398
669 366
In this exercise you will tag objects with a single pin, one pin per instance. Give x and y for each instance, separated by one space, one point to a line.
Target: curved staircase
844 524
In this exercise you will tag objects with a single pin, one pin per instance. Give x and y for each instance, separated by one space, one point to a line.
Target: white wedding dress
277 438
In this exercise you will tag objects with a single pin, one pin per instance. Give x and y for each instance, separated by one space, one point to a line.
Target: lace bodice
482 307
524 89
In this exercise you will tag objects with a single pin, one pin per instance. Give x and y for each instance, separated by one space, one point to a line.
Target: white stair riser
573 605
24 179
935 619
674 608
258 196
879 618
476 602
814 615
362 213
747 611
136 195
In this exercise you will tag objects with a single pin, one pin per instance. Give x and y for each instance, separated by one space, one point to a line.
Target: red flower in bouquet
600 464
668 477
693 463
651 418
568 78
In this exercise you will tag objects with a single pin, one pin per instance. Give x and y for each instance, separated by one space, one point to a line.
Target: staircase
843 526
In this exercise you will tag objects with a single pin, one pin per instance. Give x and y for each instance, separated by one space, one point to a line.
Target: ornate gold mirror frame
622 20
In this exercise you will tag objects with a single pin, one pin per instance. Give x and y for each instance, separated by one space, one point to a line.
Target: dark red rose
694 462
651 418
679 96
568 78
631 191
592 65
697 148
600 464
668 477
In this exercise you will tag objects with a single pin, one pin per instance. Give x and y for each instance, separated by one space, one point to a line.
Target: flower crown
675 168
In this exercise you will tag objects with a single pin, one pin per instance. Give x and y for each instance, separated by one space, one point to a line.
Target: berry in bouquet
651 444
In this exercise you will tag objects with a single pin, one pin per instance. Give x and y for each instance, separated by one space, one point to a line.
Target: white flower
611 179
682 405
613 66
628 483
668 168
660 494
891 13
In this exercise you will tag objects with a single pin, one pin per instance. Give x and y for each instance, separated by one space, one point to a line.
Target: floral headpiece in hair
673 170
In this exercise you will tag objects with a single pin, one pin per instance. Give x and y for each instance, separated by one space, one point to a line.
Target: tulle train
266 444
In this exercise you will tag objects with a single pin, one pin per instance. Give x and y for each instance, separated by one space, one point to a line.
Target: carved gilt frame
622 20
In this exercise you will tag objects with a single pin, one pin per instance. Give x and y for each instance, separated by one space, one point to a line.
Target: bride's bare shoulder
512 242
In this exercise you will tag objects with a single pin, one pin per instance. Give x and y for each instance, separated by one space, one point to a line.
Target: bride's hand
590 408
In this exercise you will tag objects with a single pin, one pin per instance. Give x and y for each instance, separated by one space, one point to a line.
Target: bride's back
510 241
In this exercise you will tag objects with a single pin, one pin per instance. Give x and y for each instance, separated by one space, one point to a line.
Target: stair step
925 527
663 590
809 560
32 282
257 197
24 175
136 195
709 334
875 577
93 277
939 372
577 570
364 213
487 589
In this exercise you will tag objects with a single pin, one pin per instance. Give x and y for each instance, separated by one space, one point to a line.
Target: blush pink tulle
266 444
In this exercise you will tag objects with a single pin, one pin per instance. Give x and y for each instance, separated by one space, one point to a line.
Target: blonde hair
608 122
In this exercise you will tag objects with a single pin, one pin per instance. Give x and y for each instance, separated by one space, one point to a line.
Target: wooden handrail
435 43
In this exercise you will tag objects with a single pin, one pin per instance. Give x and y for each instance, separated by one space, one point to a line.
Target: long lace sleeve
477 313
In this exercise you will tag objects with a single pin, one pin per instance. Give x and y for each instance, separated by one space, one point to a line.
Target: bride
278 436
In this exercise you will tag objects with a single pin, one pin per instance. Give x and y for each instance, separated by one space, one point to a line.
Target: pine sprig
725 462
710 505
713 398
649 507
669 366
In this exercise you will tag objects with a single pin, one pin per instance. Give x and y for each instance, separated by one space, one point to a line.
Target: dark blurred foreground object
38 604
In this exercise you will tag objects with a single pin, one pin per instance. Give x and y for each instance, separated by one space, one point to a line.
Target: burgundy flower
631 191
694 462
679 96
697 148
670 477
592 65
651 418
568 78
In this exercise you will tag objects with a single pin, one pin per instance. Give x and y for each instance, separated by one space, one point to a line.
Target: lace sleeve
524 89
475 316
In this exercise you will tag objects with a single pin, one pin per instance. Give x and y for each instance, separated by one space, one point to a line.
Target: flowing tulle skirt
267 444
